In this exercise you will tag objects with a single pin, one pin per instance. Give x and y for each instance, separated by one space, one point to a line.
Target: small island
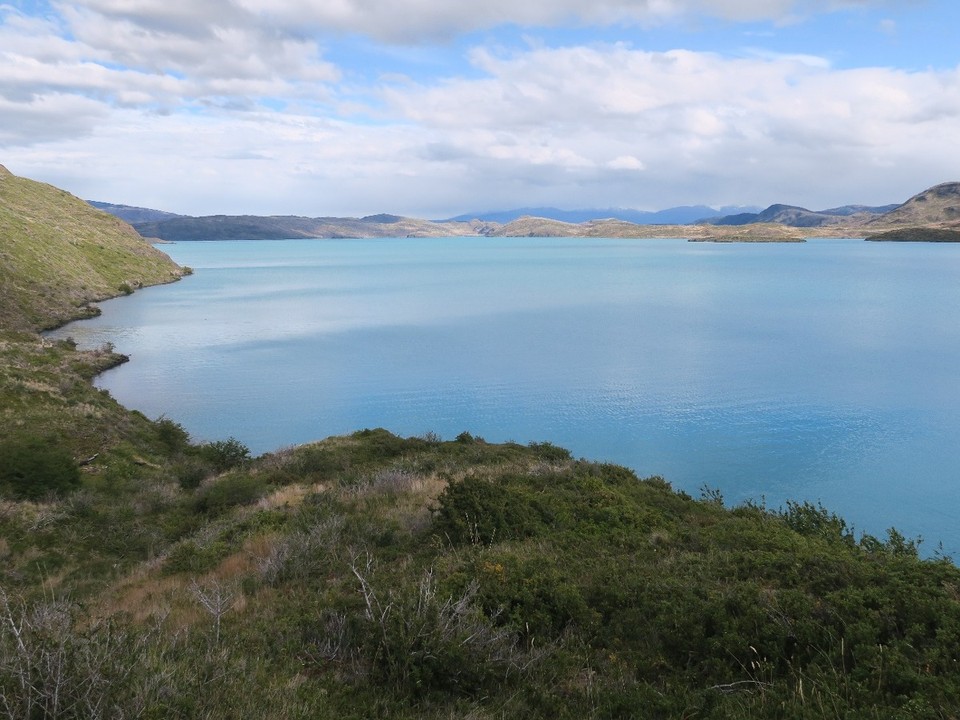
917 234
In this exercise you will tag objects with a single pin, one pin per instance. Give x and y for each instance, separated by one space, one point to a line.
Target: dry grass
289 496
146 595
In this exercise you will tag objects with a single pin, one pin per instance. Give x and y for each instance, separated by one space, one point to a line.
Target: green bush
228 492
478 511
224 455
32 468
172 435
816 521
379 444
549 452
190 472
533 595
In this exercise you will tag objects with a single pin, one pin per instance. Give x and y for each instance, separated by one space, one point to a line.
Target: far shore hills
930 216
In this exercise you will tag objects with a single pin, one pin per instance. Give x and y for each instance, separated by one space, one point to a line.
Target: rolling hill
794 216
57 254
935 206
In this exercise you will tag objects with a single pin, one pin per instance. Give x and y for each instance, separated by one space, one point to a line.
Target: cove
823 371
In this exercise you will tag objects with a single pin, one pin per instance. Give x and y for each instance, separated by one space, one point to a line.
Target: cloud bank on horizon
433 108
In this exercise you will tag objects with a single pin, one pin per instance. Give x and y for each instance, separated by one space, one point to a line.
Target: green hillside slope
374 576
57 254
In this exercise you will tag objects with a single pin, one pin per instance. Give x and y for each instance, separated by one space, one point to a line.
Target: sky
433 108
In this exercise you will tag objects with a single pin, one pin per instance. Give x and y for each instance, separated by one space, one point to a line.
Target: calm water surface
823 371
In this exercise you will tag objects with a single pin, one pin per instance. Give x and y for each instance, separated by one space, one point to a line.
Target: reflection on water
821 371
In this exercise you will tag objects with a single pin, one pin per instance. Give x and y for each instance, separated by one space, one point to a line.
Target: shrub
51 668
816 521
190 472
533 595
379 444
478 511
31 468
172 435
188 556
418 640
228 492
549 452
224 455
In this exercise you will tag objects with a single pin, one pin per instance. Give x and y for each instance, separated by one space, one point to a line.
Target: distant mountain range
801 217
937 207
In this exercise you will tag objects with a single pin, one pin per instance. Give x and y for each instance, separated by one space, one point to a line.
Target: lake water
825 371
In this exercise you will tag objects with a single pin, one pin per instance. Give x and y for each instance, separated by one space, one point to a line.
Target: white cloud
54 116
626 162
602 126
231 106
422 19
157 53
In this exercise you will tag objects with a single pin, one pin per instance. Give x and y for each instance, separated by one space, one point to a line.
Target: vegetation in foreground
375 576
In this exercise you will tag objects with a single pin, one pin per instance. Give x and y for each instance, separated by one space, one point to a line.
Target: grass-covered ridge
57 254
375 576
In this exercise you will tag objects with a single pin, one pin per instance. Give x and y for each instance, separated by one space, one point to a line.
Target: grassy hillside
374 576
57 254
938 206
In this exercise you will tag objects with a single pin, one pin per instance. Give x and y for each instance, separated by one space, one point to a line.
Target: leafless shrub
423 639
217 598
278 459
333 643
46 516
390 481
300 553
79 503
50 669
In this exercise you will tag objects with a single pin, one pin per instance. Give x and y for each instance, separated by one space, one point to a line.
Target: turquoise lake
823 371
